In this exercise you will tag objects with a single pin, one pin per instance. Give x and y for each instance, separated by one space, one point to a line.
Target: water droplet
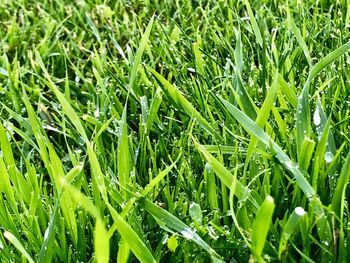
317 118
328 157
299 211
187 233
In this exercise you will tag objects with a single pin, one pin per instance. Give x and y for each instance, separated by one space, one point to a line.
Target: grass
169 131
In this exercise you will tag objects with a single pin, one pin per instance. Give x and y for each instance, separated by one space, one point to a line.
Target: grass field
174 131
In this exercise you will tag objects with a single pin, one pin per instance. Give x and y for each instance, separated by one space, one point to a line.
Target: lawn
174 131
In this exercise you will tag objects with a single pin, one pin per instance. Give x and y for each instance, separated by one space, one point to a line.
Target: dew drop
300 211
187 233
328 157
317 118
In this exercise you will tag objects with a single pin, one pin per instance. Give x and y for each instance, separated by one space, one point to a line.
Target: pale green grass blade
261 224
198 58
330 58
8 154
46 252
174 223
101 242
68 109
287 91
135 243
290 228
97 174
252 128
6 186
154 107
263 115
254 23
341 186
299 38
306 152
123 154
184 104
10 237
138 56
225 176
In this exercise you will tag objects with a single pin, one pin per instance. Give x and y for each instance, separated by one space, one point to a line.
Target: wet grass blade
10 237
137 61
183 103
174 223
289 229
252 128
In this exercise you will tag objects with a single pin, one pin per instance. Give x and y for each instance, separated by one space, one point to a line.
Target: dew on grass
187 233
317 118
328 157
299 211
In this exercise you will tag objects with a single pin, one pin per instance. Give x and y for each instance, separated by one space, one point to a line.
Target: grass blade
10 237
261 224
183 103
177 225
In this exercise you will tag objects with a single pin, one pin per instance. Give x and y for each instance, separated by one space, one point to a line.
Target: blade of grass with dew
242 95
136 245
299 37
46 251
66 204
225 176
233 189
176 224
5 185
68 109
138 56
254 24
101 240
183 103
289 229
341 185
303 125
263 115
14 241
261 224
123 154
252 128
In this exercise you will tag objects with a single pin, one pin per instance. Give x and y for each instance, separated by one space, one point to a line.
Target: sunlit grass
162 131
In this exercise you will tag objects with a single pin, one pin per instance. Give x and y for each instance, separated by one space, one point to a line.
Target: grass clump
159 131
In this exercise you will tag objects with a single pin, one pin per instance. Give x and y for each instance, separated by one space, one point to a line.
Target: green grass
174 131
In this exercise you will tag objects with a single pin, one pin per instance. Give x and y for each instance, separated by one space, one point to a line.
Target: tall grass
159 131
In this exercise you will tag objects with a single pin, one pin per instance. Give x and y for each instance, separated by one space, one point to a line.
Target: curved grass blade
68 109
261 224
10 237
46 251
341 185
183 103
254 23
263 115
135 243
123 154
138 56
289 229
252 128
101 242
303 124
225 176
299 38
176 224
